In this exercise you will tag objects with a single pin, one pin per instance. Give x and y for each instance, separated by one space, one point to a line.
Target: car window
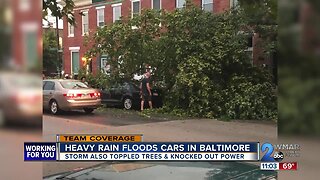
135 87
44 83
126 86
73 85
49 85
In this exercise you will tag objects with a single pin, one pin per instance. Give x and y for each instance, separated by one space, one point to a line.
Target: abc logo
278 156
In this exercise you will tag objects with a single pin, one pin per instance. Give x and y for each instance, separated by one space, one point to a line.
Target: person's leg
150 102
142 103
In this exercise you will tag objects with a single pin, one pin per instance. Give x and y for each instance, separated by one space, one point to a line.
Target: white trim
118 4
231 2
86 10
132 1
69 26
29 26
82 17
74 49
100 7
98 16
152 4
113 11
202 4
78 3
177 2
82 8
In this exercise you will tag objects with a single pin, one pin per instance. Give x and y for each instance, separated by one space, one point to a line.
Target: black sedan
127 95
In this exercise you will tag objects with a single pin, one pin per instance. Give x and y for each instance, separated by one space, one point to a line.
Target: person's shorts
146 97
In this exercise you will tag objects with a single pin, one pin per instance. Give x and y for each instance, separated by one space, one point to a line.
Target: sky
52 20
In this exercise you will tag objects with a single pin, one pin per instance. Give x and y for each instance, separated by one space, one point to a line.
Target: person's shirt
85 82
144 88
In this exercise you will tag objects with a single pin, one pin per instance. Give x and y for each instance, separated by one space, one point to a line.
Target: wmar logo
268 149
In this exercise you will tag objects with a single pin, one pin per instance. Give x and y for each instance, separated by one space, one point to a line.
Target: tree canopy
199 61
60 9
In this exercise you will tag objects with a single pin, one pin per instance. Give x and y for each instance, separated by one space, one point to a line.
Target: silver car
20 98
60 94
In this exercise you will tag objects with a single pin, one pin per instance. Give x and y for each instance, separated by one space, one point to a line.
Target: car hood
168 171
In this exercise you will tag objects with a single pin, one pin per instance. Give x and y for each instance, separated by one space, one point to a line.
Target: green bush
248 100
98 80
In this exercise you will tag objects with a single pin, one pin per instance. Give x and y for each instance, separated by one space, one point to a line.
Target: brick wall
77 40
27 20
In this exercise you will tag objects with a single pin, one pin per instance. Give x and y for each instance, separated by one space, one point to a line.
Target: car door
105 95
117 93
135 91
48 90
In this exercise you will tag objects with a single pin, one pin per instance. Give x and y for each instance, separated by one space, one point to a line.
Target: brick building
100 12
26 34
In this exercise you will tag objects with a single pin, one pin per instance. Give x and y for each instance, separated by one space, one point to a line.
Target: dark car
127 95
169 171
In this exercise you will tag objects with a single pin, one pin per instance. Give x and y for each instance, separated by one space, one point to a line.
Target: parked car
128 96
168 171
69 94
20 98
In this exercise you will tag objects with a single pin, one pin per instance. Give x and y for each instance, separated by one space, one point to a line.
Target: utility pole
58 46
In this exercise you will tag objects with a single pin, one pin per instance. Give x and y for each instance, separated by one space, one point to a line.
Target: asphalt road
158 129
11 153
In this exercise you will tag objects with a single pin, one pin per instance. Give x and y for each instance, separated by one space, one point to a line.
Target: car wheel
54 107
88 110
127 103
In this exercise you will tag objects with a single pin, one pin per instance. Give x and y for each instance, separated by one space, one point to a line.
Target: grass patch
156 114
160 114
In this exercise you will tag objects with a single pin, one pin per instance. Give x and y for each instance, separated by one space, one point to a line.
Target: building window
105 65
207 5
70 30
234 3
180 3
156 4
75 62
100 16
85 23
116 12
135 7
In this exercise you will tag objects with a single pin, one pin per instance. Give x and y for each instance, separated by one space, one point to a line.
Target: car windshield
73 84
135 86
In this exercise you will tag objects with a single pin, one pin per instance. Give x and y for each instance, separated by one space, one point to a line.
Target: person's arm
149 89
141 88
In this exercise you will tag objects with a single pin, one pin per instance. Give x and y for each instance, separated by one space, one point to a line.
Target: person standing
145 90
83 80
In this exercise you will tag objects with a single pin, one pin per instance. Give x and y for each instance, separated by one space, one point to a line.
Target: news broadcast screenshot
159 89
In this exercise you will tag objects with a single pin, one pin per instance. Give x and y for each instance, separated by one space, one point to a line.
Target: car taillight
26 99
72 95
95 95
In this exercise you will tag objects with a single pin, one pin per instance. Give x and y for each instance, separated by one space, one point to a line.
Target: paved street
11 153
159 129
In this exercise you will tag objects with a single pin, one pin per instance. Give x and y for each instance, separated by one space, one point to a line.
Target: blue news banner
40 151
145 151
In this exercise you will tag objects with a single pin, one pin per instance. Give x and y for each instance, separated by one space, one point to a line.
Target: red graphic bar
288 166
